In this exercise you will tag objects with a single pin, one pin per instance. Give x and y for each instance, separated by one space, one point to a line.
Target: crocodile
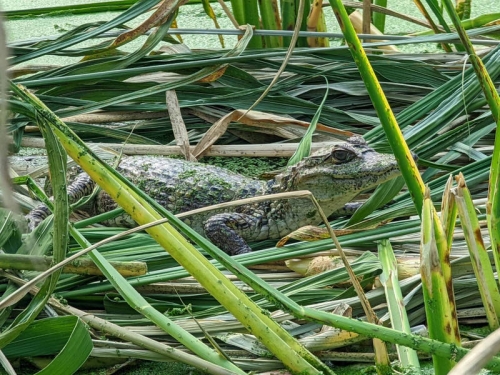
335 175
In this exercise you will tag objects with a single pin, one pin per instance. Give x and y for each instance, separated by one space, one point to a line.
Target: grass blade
288 18
399 318
379 18
271 21
251 10
108 6
304 148
448 212
58 237
239 11
479 256
436 293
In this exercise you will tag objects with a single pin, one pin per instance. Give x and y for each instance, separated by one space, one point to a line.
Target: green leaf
66 336
382 195
59 235
10 233
395 302
304 148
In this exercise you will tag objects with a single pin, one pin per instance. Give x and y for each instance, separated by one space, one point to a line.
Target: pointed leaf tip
427 192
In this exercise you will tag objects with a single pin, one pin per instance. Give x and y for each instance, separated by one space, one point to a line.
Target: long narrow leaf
399 317
304 148
65 337
487 283
435 287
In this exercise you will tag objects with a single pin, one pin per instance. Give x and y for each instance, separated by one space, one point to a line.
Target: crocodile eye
342 155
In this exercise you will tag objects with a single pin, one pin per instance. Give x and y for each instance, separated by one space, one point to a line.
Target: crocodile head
337 174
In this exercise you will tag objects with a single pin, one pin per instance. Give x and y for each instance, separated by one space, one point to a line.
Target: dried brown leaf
178 126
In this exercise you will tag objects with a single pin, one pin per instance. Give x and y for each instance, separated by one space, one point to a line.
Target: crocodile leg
82 186
225 230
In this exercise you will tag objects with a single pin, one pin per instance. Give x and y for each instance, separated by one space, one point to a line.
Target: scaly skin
335 175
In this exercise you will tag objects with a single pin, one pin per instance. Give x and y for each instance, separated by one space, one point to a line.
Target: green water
191 16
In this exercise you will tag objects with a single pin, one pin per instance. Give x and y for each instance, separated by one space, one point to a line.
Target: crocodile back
181 186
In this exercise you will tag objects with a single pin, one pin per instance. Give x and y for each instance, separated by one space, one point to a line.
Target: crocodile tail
82 186
36 216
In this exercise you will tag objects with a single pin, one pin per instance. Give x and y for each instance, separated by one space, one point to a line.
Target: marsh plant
92 291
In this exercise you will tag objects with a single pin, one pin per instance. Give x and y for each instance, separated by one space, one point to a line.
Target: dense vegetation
115 294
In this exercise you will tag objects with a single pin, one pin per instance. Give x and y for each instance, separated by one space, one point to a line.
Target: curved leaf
66 336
